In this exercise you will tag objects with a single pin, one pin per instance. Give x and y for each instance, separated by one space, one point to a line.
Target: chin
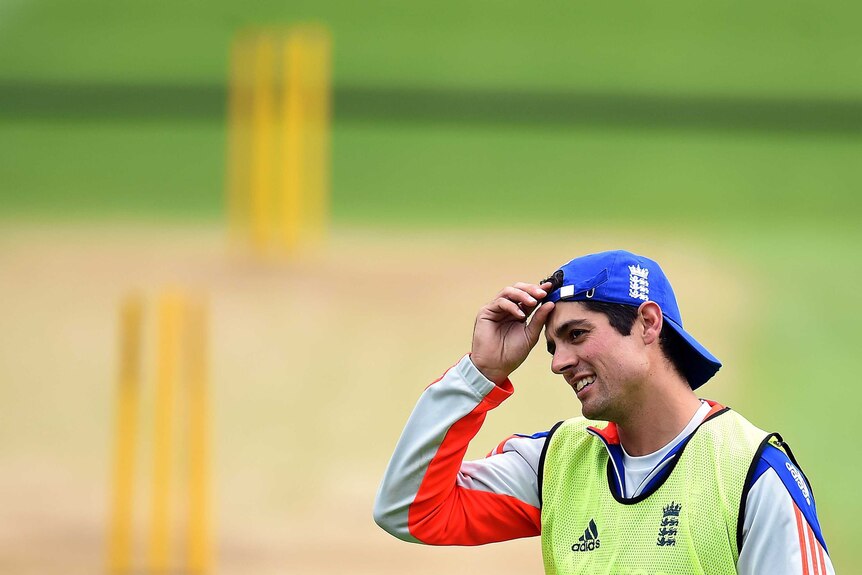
593 412
589 413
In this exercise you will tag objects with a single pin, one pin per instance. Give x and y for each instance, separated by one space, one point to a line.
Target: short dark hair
622 318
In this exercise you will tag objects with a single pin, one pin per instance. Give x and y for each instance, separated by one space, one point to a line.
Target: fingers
502 338
509 307
537 291
525 294
517 301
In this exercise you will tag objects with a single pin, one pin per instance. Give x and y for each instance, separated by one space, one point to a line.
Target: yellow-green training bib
685 526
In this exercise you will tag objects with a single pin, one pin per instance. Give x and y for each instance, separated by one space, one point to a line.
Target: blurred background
473 144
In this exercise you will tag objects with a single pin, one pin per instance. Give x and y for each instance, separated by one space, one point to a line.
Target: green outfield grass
65 150
799 48
404 175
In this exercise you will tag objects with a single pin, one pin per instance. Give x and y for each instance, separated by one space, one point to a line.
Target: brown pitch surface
315 365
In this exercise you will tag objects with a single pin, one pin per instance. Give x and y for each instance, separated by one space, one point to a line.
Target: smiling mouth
583 383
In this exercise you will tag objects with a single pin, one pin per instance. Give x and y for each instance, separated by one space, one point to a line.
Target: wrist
496 376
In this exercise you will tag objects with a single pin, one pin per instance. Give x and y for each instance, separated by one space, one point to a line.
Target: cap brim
700 365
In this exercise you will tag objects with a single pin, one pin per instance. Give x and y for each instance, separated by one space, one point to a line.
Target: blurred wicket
181 358
278 138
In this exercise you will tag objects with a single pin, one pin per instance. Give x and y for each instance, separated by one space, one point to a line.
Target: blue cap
626 278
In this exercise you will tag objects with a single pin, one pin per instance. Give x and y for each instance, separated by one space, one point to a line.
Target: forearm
427 497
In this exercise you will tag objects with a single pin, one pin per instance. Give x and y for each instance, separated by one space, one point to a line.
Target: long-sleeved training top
430 495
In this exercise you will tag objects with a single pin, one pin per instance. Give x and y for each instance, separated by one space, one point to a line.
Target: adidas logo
589 541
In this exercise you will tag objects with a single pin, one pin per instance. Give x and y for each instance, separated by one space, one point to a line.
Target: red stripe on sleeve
445 514
812 543
801 531
820 558
469 517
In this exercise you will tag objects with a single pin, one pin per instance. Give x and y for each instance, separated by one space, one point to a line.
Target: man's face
606 370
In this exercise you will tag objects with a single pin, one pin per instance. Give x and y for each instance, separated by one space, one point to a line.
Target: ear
651 321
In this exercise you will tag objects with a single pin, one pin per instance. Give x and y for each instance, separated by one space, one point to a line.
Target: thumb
538 321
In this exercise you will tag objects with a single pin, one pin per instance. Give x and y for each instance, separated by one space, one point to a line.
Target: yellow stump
120 536
293 131
240 142
317 103
198 559
169 326
263 144
278 193
181 360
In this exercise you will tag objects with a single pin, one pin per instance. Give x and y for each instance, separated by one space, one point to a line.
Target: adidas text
591 545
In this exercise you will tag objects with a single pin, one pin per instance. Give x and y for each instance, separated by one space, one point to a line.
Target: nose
563 360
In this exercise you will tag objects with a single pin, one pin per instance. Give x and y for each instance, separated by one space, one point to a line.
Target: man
671 484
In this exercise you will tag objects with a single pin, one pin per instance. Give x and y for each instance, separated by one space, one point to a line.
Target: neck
654 422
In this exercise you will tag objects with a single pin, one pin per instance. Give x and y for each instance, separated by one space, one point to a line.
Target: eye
551 347
577 334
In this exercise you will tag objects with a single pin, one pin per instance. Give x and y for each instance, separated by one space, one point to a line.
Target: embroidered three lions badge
669 525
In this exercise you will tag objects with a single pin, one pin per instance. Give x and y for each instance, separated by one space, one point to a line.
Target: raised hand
502 337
